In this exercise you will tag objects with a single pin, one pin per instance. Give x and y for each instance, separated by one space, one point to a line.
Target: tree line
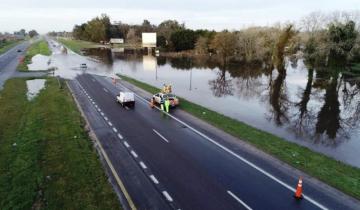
319 36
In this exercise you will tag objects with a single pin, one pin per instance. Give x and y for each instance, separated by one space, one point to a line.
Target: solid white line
110 123
167 196
134 154
115 130
126 144
153 178
120 136
239 200
237 156
161 136
142 164
105 90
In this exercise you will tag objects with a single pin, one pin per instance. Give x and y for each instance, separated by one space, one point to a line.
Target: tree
202 45
131 37
224 45
33 33
183 39
284 39
166 28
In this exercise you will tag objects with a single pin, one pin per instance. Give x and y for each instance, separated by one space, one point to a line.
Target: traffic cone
298 193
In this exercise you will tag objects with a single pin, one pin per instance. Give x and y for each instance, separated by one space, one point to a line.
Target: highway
9 61
175 162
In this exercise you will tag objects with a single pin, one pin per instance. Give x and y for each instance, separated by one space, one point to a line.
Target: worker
152 103
167 105
162 105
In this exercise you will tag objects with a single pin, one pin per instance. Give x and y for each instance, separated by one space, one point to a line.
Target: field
39 47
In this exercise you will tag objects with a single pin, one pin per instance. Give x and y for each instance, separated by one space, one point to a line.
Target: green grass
330 171
54 164
39 47
7 45
77 45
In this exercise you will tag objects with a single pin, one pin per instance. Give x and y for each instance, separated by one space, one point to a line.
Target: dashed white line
99 110
161 136
93 102
115 130
102 113
142 164
120 136
239 200
105 118
134 154
110 123
237 156
167 196
126 144
153 178
105 90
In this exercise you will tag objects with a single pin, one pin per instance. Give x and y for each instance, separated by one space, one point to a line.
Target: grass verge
7 45
77 45
47 160
39 47
330 171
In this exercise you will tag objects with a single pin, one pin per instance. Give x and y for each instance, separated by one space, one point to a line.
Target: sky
49 15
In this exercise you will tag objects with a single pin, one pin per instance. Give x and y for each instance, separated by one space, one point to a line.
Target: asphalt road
167 162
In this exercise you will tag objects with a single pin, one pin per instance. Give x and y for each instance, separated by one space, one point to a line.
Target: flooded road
310 108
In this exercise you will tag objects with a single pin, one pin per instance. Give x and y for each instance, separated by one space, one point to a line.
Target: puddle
34 86
39 62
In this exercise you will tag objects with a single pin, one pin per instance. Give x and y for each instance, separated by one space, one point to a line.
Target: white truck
126 99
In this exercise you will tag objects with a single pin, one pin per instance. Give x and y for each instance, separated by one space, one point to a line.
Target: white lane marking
236 155
126 144
127 108
99 110
239 200
105 90
106 118
153 178
110 123
96 106
134 154
93 102
102 113
142 164
115 130
120 136
167 196
161 136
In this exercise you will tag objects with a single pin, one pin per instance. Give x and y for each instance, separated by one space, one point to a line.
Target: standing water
308 107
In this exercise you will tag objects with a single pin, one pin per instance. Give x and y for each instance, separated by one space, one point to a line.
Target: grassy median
7 45
77 45
47 160
330 171
39 47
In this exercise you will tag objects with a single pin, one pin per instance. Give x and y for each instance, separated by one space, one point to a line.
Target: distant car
126 99
161 97
19 50
83 66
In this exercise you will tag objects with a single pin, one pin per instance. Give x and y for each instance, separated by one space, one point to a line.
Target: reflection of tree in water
101 54
303 118
329 115
278 99
221 86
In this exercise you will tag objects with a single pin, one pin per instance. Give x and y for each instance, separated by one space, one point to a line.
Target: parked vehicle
126 99
159 98
19 50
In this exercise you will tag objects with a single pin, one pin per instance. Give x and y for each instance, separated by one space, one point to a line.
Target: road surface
169 162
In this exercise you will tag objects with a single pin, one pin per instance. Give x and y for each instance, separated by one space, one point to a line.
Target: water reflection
317 108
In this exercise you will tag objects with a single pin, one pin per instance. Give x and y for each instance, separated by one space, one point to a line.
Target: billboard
149 39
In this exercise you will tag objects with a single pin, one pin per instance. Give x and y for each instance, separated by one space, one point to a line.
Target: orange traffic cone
298 193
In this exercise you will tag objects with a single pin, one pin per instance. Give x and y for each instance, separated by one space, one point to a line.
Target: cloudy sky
48 15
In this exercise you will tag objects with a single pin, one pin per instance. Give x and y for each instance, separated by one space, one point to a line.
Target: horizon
233 15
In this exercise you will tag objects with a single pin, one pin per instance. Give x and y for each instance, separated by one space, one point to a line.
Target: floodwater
308 107
34 87
39 62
